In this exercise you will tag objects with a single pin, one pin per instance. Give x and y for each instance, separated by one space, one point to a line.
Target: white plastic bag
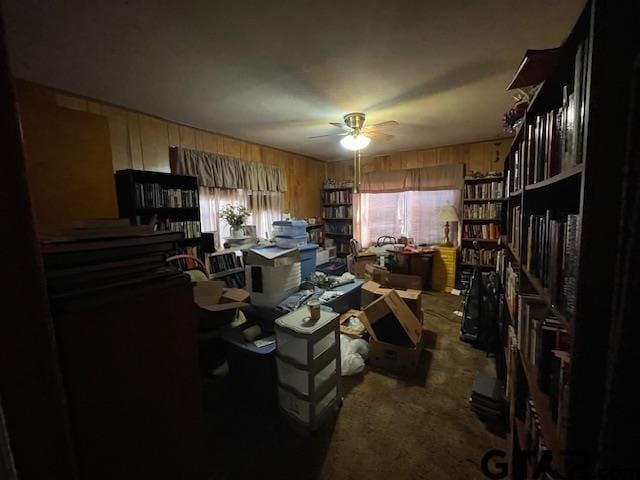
353 353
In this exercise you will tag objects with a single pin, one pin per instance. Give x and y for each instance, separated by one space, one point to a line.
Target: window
266 207
412 214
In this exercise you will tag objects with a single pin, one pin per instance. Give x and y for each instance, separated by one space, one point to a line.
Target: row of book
226 261
511 280
154 195
235 280
544 346
483 191
488 231
339 196
484 256
482 210
315 236
514 238
337 212
552 256
340 227
553 141
191 228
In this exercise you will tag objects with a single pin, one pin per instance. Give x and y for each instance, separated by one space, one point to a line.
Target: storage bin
291 242
332 268
300 380
307 260
324 255
289 228
270 285
303 409
295 348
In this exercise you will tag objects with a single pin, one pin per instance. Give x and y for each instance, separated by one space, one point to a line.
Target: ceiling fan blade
340 125
331 135
389 123
379 135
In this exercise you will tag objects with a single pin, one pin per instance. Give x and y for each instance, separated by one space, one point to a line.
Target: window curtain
265 207
410 214
407 202
222 171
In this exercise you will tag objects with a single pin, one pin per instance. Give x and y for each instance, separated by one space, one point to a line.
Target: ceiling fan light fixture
355 142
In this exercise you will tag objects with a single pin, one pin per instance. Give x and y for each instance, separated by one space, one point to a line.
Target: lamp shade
358 142
448 214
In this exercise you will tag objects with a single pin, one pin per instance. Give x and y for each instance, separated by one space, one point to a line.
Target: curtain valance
223 171
437 177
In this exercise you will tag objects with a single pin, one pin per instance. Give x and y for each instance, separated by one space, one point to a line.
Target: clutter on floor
486 397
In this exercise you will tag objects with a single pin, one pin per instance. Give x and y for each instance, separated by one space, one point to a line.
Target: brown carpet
386 428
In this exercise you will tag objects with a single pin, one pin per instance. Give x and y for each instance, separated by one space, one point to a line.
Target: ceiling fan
355 135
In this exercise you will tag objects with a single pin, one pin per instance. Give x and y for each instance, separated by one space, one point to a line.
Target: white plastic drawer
301 409
299 379
295 348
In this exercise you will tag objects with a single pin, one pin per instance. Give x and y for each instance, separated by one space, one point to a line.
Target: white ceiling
277 71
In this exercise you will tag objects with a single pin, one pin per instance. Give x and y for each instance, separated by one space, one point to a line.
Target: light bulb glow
358 142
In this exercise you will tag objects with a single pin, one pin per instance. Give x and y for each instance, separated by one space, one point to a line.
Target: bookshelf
481 221
227 265
561 214
337 213
170 201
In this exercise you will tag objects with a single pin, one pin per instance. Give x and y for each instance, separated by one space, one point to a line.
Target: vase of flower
235 216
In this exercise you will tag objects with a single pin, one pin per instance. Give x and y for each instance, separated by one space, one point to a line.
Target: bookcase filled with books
168 202
482 221
228 266
554 289
337 212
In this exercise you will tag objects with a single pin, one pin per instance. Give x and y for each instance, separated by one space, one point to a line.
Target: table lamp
447 214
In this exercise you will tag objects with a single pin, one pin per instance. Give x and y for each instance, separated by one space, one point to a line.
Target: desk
419 262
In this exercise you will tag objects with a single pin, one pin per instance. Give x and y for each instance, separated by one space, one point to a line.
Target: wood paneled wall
67 159
479 156
142 142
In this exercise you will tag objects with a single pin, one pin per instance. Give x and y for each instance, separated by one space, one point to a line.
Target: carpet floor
421 428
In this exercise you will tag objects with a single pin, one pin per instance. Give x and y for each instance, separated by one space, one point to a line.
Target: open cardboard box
350 331
381 281
218 305
396 335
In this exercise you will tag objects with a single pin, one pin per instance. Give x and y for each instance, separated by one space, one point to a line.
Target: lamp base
447 240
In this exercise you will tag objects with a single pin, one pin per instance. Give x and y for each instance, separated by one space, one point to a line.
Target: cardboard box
358 264
413 298
396 335
352 332
218 305
399 281
272 256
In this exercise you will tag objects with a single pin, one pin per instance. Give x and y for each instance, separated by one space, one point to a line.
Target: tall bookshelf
337 213
481 221
170 201
562 178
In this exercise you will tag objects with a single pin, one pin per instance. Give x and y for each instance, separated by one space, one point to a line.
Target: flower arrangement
235 216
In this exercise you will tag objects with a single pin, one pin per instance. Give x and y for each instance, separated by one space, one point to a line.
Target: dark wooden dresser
125 325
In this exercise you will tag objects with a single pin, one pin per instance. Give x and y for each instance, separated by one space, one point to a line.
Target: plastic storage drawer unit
308 365
307 259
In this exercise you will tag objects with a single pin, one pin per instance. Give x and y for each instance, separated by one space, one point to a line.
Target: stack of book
486 397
